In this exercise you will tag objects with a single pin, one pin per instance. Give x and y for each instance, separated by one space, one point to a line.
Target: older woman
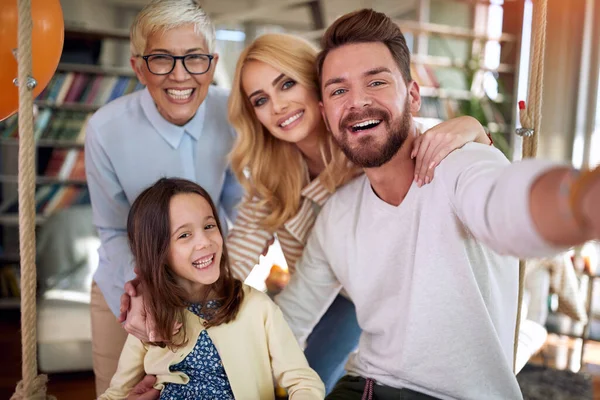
176 127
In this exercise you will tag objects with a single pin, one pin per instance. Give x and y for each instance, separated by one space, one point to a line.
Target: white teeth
366 123
203 264
291 119
180 94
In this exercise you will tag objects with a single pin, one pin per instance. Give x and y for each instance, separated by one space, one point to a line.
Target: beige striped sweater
247 240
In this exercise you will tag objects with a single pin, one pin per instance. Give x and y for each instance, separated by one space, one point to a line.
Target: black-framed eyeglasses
164 64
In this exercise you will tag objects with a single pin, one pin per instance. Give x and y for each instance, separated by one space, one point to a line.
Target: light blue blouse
129 146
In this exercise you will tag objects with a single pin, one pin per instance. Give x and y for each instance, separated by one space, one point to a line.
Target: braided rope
531 119
32 386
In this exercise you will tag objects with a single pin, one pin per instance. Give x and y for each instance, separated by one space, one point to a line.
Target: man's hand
130 291
144 390
134 317
136 322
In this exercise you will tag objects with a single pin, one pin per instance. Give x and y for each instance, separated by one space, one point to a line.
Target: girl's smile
196 243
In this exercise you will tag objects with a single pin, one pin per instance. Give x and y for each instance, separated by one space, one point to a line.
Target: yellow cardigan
257 346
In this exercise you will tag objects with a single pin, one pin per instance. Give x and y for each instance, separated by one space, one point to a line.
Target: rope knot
36 391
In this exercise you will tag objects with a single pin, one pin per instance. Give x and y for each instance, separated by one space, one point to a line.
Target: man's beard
367 153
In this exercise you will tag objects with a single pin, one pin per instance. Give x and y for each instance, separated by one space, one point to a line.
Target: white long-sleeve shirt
435 300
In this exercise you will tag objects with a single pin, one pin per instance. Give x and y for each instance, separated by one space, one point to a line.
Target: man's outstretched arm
525 209
565 206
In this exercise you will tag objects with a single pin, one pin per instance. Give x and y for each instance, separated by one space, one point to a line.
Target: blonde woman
288 165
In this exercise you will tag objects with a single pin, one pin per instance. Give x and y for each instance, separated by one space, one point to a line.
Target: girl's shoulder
256 300
253 295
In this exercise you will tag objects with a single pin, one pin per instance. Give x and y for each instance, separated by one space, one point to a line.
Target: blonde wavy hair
269 168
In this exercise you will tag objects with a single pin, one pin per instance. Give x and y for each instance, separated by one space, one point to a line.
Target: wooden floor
591 363
80 386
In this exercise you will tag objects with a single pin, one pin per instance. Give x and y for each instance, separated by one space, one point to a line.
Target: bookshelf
74 93
7 303
44 143
469 69
44 180
64 108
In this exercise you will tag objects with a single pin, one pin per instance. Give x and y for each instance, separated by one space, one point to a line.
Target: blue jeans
332 340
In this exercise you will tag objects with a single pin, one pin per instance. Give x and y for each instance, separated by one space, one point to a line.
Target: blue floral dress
203 365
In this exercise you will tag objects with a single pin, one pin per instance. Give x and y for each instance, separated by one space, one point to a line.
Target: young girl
233 339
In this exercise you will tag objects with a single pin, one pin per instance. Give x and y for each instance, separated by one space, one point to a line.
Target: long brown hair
366 26
149 232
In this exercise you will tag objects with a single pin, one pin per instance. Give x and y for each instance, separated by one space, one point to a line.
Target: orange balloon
47 40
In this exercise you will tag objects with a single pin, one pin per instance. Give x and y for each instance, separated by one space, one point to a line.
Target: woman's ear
136 65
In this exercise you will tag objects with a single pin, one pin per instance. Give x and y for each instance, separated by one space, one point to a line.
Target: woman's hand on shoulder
433 145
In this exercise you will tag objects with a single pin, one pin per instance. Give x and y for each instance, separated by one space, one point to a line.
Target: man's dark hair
366 26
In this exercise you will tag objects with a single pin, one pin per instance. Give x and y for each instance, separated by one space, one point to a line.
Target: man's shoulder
477 151
350 190
344 200
472 155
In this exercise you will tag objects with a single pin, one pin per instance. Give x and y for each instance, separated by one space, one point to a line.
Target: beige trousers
108 338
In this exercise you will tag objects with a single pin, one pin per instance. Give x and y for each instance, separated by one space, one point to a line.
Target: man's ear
415 97
136 65
322 109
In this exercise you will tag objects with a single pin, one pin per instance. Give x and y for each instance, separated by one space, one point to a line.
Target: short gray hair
161 15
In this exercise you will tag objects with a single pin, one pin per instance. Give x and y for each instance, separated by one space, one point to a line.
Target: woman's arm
431 147
290 368
110 208
247 240
129 372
